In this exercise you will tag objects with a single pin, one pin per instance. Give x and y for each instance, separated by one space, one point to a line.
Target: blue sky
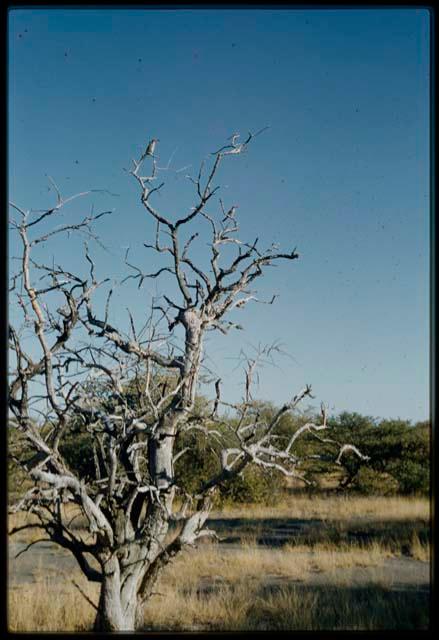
342 173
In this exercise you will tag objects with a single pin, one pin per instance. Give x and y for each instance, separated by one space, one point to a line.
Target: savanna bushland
116 456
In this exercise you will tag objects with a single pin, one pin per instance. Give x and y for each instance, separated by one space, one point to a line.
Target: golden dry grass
203 589
328 557
333 507
214 589
418 550
251 562
179 604
299 506
338 608
71 514
48 606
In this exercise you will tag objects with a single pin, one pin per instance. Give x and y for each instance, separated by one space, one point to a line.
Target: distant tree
411 468
398 452
138 516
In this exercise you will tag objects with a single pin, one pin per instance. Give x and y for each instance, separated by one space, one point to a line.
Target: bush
370 482
18 480
399 455
411 476
77 450
253 485
201 463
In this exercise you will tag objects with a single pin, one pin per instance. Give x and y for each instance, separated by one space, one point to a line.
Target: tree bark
118 607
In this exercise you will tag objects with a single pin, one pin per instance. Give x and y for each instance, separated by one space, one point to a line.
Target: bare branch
131 395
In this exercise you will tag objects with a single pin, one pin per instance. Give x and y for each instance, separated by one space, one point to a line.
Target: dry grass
206 588
251 562
341 508
216 589
19 520
71 513
194 609
237 597
191 567
48 606
299 506
328 557
241 605
419 550
338 608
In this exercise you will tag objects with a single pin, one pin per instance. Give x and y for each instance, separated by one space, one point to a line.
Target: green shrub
18 480
411 476
77 450
399 455
253 485
371 482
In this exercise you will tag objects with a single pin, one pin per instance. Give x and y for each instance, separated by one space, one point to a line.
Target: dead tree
138 517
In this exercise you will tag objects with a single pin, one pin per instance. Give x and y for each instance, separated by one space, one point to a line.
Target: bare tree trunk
118 607
135 400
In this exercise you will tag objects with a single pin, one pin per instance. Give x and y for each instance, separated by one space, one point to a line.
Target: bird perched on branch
151 147
234 137
230 215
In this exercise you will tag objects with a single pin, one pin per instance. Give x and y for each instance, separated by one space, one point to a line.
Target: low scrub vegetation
398 464
398 451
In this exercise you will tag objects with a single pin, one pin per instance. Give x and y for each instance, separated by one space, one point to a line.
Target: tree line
398 452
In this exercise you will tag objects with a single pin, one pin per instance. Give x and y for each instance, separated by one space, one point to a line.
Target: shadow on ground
326 607
276 532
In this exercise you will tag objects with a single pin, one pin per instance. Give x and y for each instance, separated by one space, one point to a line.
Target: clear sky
342 174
